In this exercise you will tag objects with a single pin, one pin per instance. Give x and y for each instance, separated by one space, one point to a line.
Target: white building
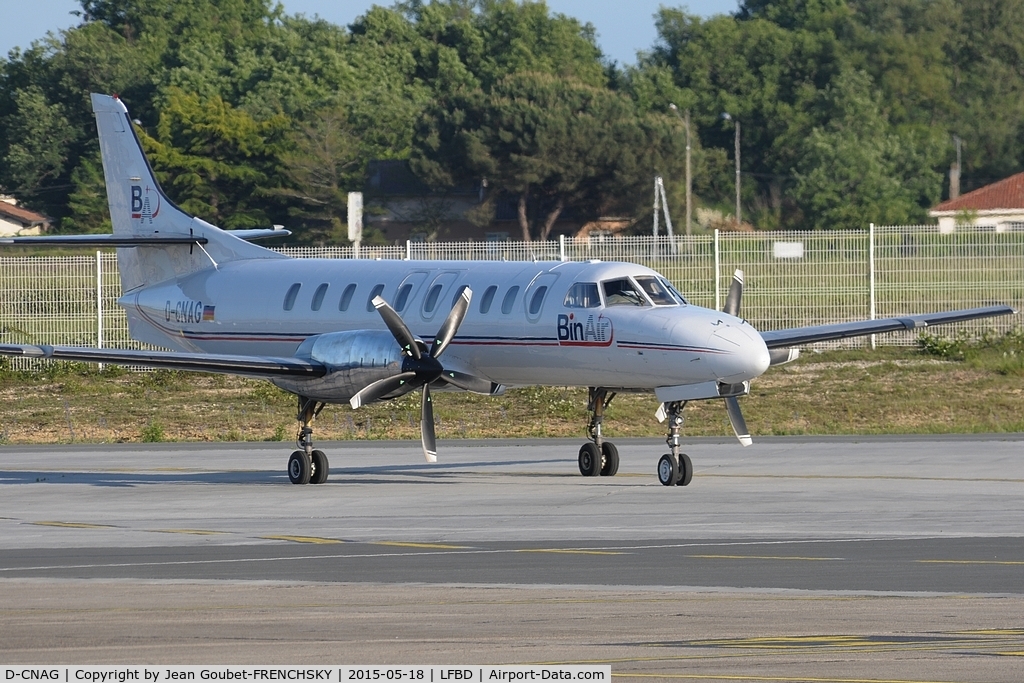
15 220
999 206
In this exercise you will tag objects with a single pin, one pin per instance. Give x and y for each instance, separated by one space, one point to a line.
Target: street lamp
726 116
689 182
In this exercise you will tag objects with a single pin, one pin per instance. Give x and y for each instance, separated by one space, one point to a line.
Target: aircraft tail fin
139 208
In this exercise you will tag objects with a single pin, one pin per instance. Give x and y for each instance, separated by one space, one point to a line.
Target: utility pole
689 177
726 116
954 171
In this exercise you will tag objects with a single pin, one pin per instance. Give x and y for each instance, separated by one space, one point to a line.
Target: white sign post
355 220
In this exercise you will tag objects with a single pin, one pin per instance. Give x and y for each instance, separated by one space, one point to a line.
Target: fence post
561 247
871 274
408 250
99 302
718 265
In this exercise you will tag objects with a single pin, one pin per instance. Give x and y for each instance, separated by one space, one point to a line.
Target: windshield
673 291
656 290
622 292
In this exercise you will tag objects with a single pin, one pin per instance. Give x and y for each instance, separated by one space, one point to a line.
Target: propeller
421 368
732 404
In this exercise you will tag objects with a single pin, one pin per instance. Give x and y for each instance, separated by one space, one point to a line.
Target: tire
590 460
321 468
685 470
299 468
668 471
611 459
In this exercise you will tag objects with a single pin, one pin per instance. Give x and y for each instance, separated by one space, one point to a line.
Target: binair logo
590 332
145 203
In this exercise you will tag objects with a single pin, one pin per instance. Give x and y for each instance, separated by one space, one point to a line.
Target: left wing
255 366
798 336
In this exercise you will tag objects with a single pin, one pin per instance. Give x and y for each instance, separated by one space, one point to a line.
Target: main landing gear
307 465
675 468
599 457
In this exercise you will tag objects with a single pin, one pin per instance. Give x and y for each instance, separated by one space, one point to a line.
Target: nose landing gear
675 468
599 457
308 465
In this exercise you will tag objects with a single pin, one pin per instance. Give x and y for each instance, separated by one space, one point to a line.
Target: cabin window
582 295
487 299
621 292
289 298
318 297
509 300
431 303
458 293
374 293
346 297
537 300
656 290
403 296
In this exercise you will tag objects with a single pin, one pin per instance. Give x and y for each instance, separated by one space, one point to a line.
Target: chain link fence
792 278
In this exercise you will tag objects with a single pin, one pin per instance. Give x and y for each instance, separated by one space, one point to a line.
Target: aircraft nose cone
742 352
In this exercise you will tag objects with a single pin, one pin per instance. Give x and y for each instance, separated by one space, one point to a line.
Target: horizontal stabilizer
103 240
799 336
134 240
253 366
259 233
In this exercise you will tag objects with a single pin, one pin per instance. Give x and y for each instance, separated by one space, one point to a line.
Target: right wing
798 336
253 366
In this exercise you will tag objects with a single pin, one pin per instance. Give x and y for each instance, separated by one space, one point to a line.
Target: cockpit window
673 291
622 292
656 290
582 295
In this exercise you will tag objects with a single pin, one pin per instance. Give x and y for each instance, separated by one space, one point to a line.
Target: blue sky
623 27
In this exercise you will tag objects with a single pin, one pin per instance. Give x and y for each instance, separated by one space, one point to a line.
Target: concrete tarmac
846 559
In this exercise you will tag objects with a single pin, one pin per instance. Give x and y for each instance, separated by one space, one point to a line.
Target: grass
948 385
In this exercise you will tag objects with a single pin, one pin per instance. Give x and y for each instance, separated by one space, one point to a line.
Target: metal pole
408 250
689 178
718 265
739 214
99 302
561 247
871 274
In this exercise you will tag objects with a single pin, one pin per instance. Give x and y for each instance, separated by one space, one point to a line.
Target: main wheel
299 468
321 468
611 459
685 470
590 460
668 471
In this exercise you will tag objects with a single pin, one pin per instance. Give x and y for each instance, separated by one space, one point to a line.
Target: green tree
321 164
856 168
550 142
215 160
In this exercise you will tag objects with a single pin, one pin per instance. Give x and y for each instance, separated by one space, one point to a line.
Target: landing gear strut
307 465
599 457
675 468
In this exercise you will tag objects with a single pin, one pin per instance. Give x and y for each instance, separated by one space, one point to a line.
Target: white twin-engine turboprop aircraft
356 331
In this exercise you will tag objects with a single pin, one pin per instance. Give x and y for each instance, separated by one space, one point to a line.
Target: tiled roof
23 216
1007 193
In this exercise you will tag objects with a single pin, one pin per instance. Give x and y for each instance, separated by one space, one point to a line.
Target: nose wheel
599 457
308 465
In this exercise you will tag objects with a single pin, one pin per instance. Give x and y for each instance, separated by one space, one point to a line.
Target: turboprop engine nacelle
354 360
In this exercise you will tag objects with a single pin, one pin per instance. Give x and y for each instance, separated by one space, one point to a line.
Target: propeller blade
732 301
451 323
382 387
427 426
739 425
398 327
477 385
